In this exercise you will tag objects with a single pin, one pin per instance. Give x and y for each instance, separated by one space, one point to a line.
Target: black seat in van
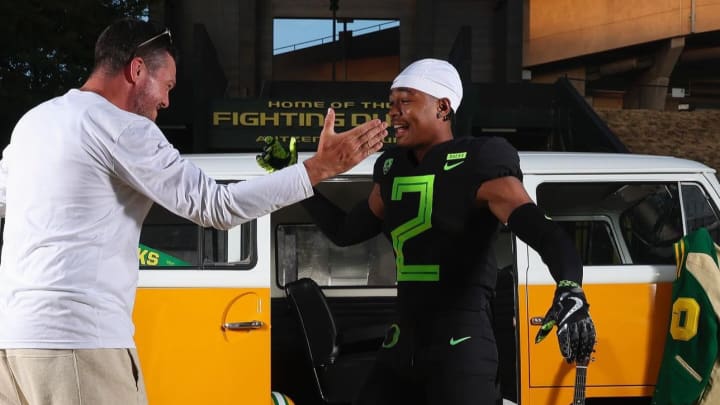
338 371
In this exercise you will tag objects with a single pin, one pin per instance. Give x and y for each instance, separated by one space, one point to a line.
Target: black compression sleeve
343 229
547 238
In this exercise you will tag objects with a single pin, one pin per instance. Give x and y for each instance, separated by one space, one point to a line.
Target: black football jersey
441 236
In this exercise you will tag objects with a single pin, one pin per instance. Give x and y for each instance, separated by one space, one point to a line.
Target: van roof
233 164
586 162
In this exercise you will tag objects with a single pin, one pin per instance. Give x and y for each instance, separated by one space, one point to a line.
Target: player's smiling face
414 117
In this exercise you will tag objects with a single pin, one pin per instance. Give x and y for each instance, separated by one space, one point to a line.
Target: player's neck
420 151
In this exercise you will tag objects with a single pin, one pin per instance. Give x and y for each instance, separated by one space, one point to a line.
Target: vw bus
213 323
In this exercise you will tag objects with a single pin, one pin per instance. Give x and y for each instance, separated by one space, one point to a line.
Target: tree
46 48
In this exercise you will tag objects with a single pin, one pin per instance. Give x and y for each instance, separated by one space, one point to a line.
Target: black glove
274 156
575 328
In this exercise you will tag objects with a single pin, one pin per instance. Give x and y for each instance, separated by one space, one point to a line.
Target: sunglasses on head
160 35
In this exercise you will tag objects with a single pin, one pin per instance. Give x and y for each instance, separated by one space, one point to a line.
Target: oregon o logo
685 317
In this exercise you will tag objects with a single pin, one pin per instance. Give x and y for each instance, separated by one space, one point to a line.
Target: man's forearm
317 171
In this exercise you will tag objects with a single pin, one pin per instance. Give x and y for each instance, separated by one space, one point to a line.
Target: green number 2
414 227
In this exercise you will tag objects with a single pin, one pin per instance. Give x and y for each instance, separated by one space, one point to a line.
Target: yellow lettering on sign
260 139
277 119
153 259
309 139
296 104
314 120
339 119
376 104
356 119
220 116
288 116
300 119
141 255
148 258
359 118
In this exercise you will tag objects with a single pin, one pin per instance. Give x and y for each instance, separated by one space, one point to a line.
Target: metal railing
329 38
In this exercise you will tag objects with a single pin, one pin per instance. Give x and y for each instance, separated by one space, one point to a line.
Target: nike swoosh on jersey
450 166
578 305
454 341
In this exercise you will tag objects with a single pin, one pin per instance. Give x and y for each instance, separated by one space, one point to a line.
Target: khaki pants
71 377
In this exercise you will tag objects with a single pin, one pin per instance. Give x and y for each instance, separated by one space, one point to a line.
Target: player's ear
443 108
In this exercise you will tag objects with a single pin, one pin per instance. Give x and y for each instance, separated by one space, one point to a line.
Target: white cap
435 77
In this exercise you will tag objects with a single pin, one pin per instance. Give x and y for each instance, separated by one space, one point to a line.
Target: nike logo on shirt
454 341
450 166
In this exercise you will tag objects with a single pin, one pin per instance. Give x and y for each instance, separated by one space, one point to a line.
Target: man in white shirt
76 182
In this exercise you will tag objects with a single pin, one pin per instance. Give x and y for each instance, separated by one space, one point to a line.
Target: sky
302 33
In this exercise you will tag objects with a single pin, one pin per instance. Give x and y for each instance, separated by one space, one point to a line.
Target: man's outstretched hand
337 153
275 155
575 328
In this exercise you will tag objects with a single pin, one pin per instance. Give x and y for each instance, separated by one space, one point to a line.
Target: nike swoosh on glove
575 328
275 156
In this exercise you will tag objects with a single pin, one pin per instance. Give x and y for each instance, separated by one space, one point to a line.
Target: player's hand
275 155
575 328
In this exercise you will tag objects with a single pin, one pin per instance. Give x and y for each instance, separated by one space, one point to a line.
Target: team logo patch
387 165
454 160
392 336
456 156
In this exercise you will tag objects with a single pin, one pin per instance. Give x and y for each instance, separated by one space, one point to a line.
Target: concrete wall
562 29
231 26
242 33
707 15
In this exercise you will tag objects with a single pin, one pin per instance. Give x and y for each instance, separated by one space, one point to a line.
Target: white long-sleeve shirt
76 182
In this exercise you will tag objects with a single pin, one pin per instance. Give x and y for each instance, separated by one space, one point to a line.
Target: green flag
152 257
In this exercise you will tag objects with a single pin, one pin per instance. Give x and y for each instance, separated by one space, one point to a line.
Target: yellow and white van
214 327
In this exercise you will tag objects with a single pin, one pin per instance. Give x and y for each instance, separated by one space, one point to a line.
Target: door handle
243 325
536 320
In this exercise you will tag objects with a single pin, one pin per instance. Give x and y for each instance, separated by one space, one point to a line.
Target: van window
699 210
653 224
611 223
301 249
169 241
642 220
594 240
